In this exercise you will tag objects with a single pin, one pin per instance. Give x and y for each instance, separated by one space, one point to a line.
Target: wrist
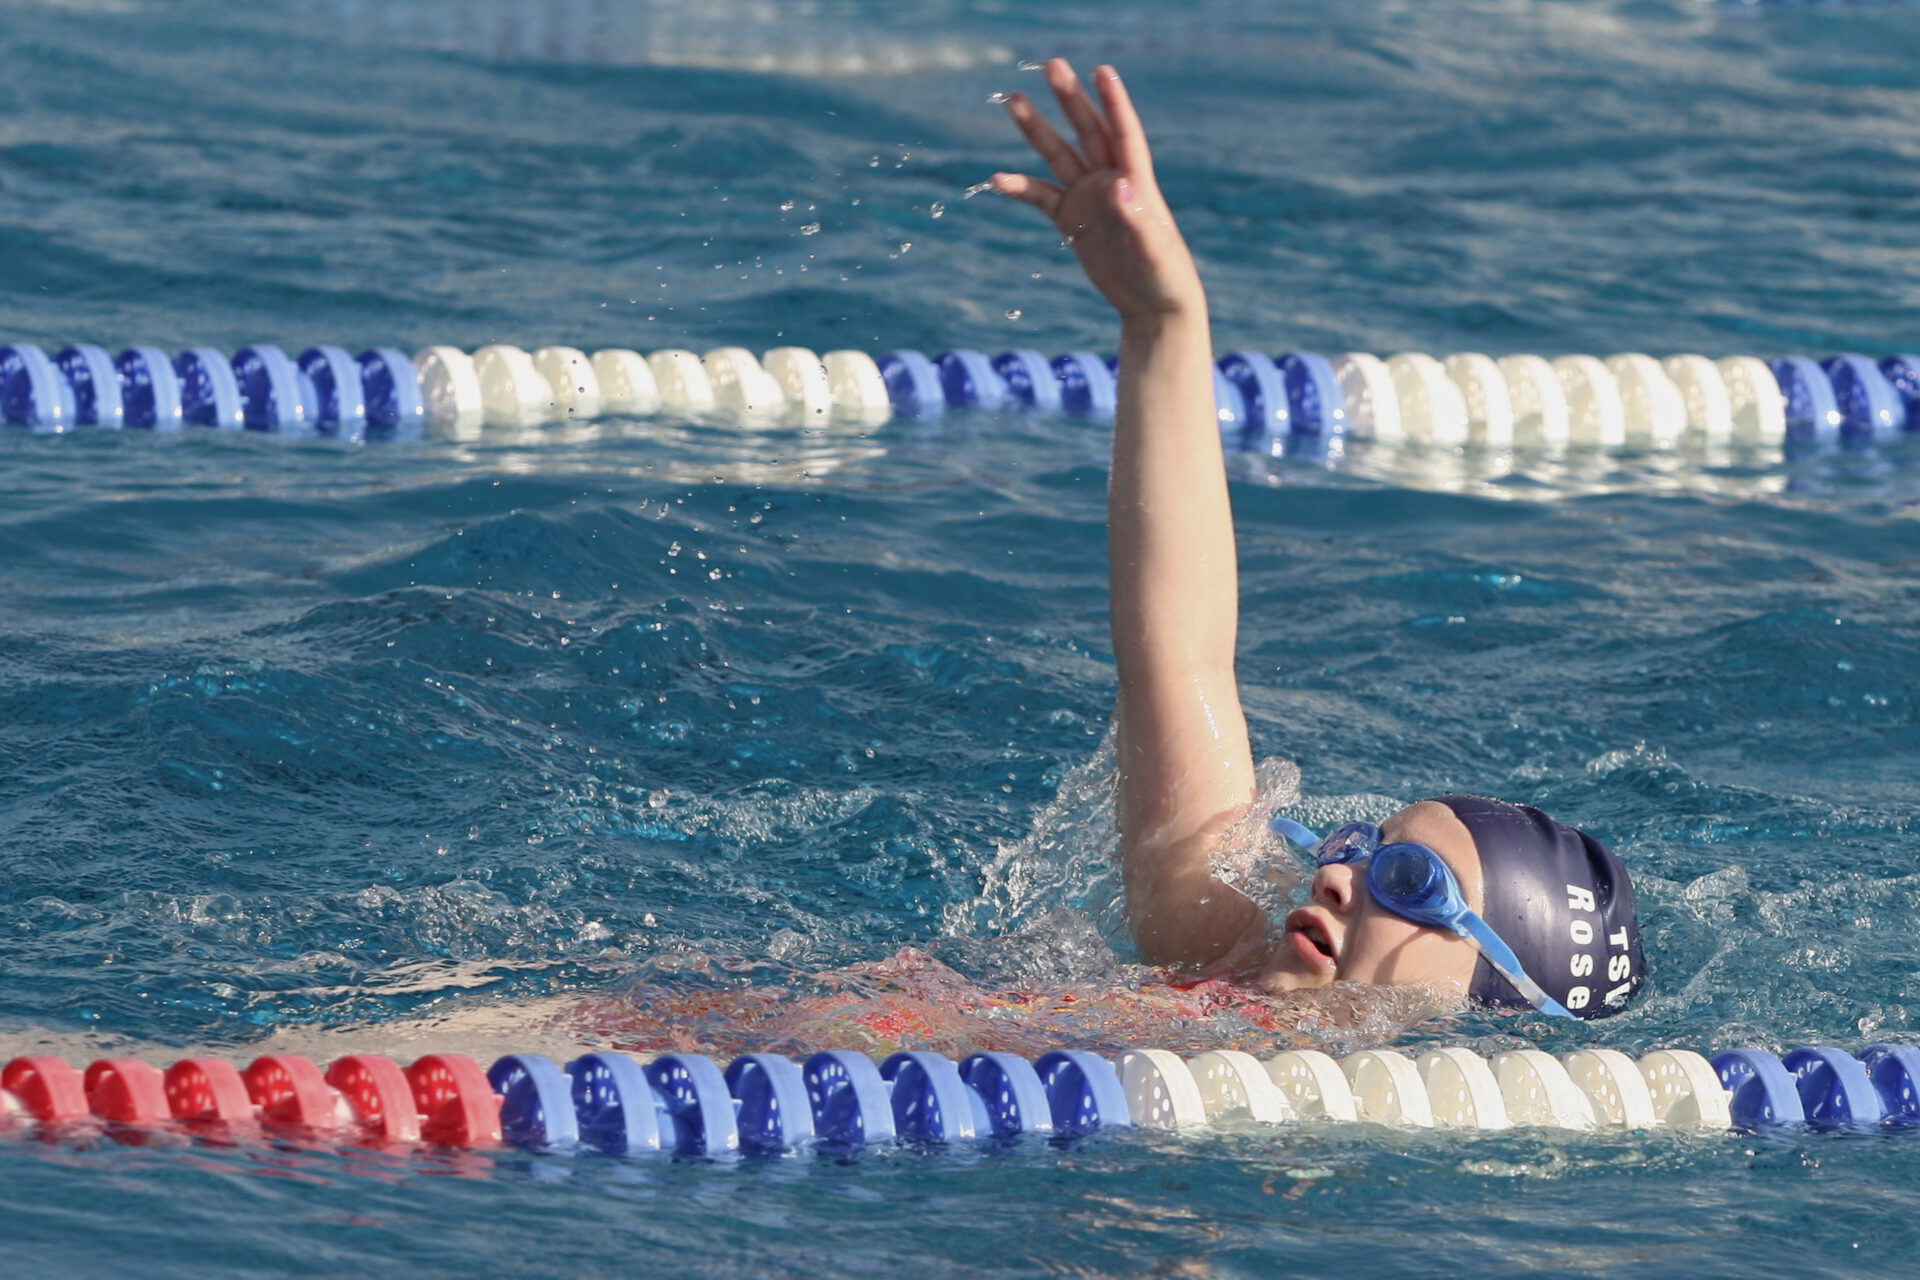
1153 322
1188 304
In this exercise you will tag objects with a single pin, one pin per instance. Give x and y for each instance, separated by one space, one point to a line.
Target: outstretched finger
1123 123
1059 154
1094 144
1038 192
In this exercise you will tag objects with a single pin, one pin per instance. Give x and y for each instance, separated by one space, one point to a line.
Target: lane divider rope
686 1103
1293 403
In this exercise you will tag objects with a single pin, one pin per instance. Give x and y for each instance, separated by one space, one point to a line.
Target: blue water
426 745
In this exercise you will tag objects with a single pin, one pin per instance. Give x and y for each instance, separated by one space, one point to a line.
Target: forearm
1175 580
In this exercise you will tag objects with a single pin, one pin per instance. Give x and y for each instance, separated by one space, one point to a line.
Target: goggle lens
1407 875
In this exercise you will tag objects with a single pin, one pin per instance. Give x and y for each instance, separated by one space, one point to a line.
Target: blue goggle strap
1467 924
1303 836
1500 956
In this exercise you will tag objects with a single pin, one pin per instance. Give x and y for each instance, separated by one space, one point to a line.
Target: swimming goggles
1415 883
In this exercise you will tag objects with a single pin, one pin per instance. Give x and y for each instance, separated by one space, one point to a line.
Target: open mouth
1311 939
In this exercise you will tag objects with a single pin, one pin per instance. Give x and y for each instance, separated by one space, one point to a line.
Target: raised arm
1185 766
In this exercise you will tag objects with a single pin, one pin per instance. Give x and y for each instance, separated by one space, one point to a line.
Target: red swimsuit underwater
915 1002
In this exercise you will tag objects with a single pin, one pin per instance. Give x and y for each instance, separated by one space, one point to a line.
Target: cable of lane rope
1293 402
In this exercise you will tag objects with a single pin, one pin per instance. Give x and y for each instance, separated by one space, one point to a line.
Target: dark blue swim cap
1561 900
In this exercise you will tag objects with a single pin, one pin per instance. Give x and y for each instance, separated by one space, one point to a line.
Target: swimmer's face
1343 935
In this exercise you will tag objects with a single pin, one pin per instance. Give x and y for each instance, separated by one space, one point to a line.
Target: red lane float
290 1090
458 1108
208 1089
50 1090
128 1091
380 1095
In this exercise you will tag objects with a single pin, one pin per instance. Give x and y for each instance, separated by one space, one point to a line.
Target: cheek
1378 948
1386 950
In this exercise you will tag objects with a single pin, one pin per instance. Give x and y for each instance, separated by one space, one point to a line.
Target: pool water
433 745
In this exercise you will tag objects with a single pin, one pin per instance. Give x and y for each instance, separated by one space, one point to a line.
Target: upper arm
1185 781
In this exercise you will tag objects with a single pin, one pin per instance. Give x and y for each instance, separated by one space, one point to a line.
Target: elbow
1191 922
1162 929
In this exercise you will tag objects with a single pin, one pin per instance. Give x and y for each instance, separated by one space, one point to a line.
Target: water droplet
938 210
1028 64
1015 314
811 229
786 206
996 98
975 190
905 245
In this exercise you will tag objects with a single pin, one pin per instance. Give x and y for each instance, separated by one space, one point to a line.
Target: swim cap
1561 900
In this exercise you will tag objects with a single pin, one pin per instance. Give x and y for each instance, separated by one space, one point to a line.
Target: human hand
1106 201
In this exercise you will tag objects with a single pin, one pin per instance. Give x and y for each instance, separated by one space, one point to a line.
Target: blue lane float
851 1104
1895 1072
1869 406
1230 407
1263 391
696 1097
536 1101
773 1114
150 390
339 396
33 391
930 1100
209 393
97 396
391 383
1084 1092
969 382
616 1108
1087 385
913 384
1835 1090
1813 411
1903 375
1763 1091
1015 1099
271 391
1315 404
1029 378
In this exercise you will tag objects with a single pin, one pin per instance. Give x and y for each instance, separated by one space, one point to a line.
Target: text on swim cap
1582 963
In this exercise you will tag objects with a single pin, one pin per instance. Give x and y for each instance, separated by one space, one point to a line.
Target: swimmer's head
1542 886
1561 900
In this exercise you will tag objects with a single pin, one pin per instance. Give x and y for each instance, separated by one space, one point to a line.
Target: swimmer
1488 902
1454 900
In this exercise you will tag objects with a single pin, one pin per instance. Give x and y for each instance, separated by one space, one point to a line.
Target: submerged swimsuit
914 1002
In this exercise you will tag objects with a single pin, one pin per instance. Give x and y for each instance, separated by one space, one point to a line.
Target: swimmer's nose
1335 889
